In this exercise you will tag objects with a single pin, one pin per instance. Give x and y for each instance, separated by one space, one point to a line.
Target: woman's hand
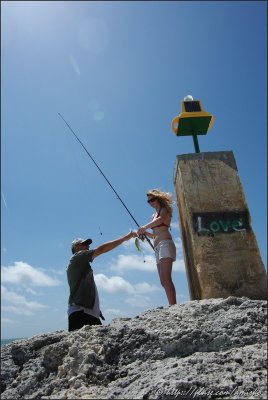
130 235
141 230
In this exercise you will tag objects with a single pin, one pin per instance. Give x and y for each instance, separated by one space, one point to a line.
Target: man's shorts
165 249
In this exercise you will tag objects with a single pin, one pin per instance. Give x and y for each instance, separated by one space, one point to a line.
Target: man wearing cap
83 305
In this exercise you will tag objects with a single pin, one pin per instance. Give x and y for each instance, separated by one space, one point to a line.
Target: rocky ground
208 349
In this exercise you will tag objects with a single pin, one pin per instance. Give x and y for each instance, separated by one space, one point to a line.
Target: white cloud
182 297
116 284
145 260
146 288
18 304
31 291
128 262
24 274
179 265
139 301
60 271
8 321
113 284
178 243
115 312
174 225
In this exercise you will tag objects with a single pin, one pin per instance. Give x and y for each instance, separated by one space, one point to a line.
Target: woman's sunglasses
151 200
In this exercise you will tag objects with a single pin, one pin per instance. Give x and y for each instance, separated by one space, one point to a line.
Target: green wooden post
196 145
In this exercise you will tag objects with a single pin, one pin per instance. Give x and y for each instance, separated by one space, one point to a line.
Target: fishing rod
111 186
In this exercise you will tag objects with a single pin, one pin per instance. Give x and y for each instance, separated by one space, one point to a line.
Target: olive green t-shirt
81 280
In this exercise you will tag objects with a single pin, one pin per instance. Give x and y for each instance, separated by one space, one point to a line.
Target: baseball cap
80 241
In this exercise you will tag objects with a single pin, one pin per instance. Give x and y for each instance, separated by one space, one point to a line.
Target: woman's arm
155 222
149 235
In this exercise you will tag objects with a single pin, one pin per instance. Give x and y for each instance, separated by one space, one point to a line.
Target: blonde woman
165 250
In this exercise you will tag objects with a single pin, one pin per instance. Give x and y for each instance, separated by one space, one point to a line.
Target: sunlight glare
34 17
93 35
75 64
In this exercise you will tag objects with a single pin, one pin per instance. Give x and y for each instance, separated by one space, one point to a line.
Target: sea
7 341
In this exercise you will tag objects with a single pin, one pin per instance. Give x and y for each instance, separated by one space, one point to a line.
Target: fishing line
111 186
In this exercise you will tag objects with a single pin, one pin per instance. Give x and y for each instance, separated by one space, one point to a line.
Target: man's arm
103 248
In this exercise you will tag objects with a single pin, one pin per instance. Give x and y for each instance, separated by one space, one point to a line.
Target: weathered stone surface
200 349
222 257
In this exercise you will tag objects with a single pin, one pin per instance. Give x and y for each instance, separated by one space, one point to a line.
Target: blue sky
117 72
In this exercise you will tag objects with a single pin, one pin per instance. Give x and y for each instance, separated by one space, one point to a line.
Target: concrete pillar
221 253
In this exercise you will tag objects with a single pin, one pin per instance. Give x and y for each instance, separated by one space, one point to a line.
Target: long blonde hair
164 198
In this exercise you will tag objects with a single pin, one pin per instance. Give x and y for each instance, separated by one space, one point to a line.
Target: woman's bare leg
164 270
